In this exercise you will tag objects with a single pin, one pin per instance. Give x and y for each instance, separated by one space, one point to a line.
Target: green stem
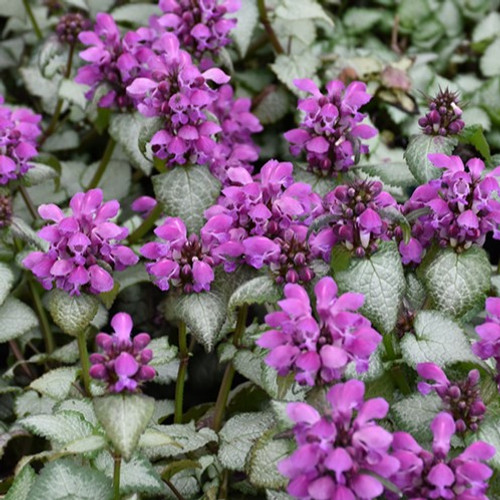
397 373
104 163
181 374
36 28
146 225
261 4
116 477
28 202
227 379
174 490
84 359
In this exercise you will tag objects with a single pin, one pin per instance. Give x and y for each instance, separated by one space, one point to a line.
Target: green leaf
490 62
273 106
437 339
261 464
258 290
247 19
458 283
125 129
56 383
418 149
380 279
20 229
68 479
320 185
88 444
72 313
239 434
489 431
124 418
288 68
415 291
415 413
6 281
290 10
116 180
474 135
165 360
16 318
137 14
487 28
152 438
73 92
38 174
361 19
186 192
22 485
31 403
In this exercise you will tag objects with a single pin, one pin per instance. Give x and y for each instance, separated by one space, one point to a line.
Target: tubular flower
340 455
180 261
444 116
123 364
427 475
84 246
331 131
462 399
318 350
18 135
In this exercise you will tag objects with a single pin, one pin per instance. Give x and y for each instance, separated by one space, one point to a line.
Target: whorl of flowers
461 399
181 261
330 132
201 25
444 116
123 364
357 219
462 205
425 475
18 135
318 348
177 91
489 333
70 26
341 454
84 245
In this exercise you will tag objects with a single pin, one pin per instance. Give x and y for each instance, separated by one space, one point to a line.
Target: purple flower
123 365
18 135
83 245
201 26
489 332
70 26
340 455
423 475
462 205
444 116
318 350
461 399
143 205
181 261
331 131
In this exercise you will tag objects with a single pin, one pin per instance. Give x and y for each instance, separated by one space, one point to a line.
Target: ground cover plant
249 249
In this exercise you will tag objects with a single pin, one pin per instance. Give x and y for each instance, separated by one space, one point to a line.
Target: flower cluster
444 117
489 332
342 454
461 206
123 365
201 25
18 135
461 399
181 261
357 219
83 246
318 350
5 210
70 26
331 129
269 218
424 475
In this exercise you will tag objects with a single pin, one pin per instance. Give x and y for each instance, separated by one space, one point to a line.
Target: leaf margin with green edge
6 281
85 446
16 318
49 385
66 474
474 135
416 155
489 431
361 276
186 192
115 413
457 283
247 19
258 290
72 313
38 173
20 229
449 347
22 484
288 68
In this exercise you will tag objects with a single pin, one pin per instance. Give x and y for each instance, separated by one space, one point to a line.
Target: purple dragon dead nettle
462 206
318 350
83 246
123 364
462 399
70 26
340 455
330 132
444 117
425 475
18 135
143 205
